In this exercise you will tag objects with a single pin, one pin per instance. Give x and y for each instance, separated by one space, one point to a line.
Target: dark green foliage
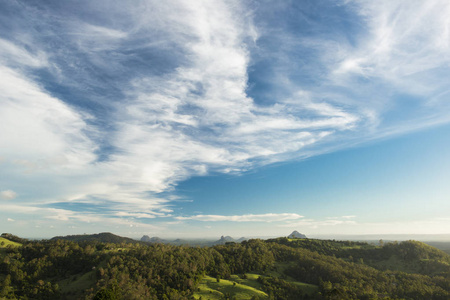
13 238
110 293
327 247
408 256
342 270
252 255
280 289
341 279
104 237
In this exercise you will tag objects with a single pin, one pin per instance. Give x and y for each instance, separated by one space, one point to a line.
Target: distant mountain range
107 237
229 239
296 235
155 239
200 242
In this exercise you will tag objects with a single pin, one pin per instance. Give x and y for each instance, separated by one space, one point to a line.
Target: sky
207 118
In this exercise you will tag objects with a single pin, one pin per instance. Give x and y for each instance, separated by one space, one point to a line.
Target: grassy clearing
115 250
278 271
250 280
74 286
5 242
209 288
351 247
395 263
307 288
242 288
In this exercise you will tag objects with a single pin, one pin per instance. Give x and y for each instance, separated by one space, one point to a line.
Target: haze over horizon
209 118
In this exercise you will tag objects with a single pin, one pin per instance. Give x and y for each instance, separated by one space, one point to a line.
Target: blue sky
244 118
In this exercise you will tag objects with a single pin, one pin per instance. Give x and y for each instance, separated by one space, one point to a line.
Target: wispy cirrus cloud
404 51
244 218
315 224
115 107
64 218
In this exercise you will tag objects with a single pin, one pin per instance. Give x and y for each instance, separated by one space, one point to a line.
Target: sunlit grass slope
74 286
209 288
5 242
240 287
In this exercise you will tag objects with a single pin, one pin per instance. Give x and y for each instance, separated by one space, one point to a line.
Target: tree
6 288
110 293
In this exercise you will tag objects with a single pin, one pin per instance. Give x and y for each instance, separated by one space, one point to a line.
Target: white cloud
313 224
406 45
429 227
17 55
244 218
38 130
195 117
10 220
135 215
392 74
187 122
199 118
78 219
8 194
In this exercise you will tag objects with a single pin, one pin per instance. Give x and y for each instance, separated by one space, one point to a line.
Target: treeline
407 250
104 237
44 270
407 256
30 271
13 238
347 280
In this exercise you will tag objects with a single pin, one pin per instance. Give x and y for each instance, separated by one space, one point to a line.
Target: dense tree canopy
60 269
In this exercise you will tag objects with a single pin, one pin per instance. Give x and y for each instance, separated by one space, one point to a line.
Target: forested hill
254 269
408 256
104 237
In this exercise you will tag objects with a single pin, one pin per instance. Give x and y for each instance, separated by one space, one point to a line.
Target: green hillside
407 256
5 243
253 269
210 288
104 237
13 238
444 246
